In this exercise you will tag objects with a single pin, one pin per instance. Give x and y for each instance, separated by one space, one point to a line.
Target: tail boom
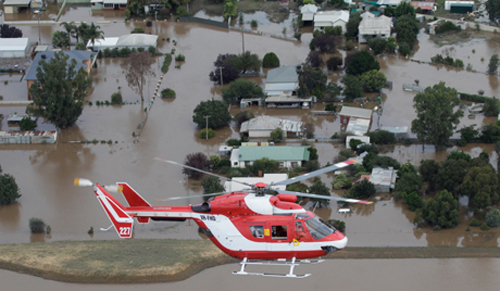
122 222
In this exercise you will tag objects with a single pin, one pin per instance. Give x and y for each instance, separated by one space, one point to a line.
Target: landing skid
281 262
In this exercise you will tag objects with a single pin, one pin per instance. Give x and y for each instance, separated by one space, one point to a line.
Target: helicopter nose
336 245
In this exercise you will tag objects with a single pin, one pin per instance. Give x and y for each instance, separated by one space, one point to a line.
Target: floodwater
45 172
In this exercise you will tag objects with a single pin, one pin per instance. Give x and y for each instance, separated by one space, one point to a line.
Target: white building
134 40
262 126
331 18
308 12
288 156
371 26
14 47
384 179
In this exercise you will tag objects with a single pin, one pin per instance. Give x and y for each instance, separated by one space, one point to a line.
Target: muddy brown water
45 172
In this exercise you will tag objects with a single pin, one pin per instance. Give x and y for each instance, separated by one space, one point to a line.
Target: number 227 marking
124 230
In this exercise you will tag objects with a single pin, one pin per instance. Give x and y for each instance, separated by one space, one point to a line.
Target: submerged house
262 126
288 156
134 40
373 26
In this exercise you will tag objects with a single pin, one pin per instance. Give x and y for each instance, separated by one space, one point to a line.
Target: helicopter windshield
319 228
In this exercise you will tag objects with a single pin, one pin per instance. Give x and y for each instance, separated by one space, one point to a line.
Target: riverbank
152 260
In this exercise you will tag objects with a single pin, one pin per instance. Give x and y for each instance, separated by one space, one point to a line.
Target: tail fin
122 222
133 199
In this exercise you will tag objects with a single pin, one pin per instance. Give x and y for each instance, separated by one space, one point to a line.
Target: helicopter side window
300 232
257 231
278 232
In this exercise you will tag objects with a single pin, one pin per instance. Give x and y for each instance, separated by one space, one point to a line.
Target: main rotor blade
317 172
349 200
201 171
192 196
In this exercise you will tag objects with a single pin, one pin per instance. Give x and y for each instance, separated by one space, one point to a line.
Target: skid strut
281 262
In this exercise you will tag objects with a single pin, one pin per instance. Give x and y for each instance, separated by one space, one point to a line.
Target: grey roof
375 23
79 56
14 44
356 112
269 123
16 2
277 153
137 39
287 74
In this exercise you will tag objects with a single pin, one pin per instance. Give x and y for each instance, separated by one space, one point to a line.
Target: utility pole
39 38
243 42
206 130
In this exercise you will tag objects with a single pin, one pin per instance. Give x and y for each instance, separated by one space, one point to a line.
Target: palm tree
71 29
81 31
94 32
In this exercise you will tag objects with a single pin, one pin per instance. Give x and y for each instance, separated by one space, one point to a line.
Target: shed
13 6
425 6
262 126
383 179
115 4
358 126
14 47
459 6
347 112
331 18
392 3
308 12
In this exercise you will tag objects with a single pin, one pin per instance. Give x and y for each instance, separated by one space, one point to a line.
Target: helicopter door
278 236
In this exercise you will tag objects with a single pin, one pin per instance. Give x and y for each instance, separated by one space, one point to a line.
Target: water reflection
10 217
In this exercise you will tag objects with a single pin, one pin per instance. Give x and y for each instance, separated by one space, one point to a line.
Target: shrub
81 47
484 226
331 107
27 124
167 93
203 133
91 230
152 50
382 137
166 63
116 98
475 223
270 60
37 225
138 30
493 218
180 58
254 23
233 142
48 229
334 63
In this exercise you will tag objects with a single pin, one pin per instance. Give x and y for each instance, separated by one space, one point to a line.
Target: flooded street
45 173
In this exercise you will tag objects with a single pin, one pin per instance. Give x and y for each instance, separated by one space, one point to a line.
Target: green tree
407 29
138 30
319 188
429 170
277 135
361 62
404 8
468 133
480 184
70 27
352 25
353 87
451 175
265 165
372 160
241 89
94 33
373 80
80 46
136 68
441 212
270 60
382 137
230 9
9 191
37 225
196 160
311 80
377 44
81 32
313 153
493 218
493 8
216 109
341 181
211 184
334 63
245 62
408 182
491 107
27 124
362 189
436 119
413 201
493 65
60 39
59 91
116 98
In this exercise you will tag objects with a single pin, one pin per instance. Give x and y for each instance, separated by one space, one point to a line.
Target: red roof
424 5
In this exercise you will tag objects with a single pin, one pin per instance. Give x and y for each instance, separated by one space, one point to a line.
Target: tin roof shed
276 153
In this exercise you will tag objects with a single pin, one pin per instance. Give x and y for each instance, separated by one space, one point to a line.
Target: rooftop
332 15
276 153
287 74
79 56
271 123
356 112
13 44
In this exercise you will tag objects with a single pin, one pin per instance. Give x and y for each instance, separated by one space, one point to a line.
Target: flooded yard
45 172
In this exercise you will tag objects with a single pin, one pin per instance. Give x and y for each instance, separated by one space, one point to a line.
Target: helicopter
248 225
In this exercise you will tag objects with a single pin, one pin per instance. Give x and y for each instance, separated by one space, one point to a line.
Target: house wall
9 9
283 164
259 133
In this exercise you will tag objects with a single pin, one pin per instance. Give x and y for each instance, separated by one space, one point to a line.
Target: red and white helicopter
251 226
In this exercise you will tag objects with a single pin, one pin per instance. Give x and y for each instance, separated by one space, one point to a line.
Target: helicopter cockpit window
278 232
302 216
257 231
319 228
